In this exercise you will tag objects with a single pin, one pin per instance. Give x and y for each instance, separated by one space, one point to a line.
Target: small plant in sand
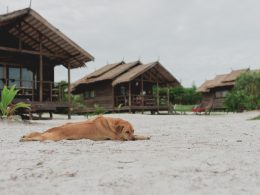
99 109
256 118
119 107
7 108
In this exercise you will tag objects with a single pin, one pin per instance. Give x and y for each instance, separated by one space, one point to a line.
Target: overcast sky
194 39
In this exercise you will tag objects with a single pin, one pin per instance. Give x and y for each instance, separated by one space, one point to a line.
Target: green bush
181 95
236 101
99 109
246 93
77 101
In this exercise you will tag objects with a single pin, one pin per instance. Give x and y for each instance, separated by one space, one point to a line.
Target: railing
141 100
30 90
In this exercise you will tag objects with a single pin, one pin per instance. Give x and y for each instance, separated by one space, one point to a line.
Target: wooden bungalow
214 91
128 86
30 48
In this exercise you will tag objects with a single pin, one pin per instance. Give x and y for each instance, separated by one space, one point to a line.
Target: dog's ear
119 128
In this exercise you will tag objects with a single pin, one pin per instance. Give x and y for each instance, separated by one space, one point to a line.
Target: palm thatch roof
221 80
204 86
31 28
108 72
122 72
133 73
231 77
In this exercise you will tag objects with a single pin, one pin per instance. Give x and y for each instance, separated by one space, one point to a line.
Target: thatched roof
33 26
122 72
108 72
231 77
138 70
204 86
221 80
103 70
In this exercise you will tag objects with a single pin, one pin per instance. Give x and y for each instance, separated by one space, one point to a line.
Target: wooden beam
129 96
157 96
154 76
41 73
53 42
69 93
142 92
31 52
29 37
113 98
168 98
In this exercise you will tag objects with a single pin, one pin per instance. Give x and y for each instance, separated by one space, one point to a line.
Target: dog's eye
128 132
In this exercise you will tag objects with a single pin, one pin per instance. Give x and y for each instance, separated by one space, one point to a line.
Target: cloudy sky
194 39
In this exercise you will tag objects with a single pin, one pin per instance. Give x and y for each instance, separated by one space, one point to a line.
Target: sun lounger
200 109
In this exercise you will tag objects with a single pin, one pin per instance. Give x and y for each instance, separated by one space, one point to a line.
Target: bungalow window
86 95
89 94
14 77
221 94
92 94
27 78
20 77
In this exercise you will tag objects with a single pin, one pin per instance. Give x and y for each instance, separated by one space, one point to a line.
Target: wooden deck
131 109
44 107
48 106
135 103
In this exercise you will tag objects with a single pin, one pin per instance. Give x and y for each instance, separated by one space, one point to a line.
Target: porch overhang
31 29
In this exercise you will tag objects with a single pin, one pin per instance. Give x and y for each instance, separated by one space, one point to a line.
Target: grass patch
256 118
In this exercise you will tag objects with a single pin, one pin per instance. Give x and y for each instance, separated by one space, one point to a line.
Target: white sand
186 155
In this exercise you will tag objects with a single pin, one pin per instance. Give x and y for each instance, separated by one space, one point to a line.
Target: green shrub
236 101
7 109
181 95
77 101
246 93
256 118
99 109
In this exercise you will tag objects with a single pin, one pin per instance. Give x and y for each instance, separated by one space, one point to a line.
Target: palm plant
7 109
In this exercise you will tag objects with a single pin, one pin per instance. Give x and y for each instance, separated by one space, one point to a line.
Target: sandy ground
187 154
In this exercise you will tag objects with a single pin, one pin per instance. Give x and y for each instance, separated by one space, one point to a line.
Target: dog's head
124 129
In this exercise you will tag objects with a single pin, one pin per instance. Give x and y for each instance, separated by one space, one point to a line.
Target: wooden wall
210 98
103 96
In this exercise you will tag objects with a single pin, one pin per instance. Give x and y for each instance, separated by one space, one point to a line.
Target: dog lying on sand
100 128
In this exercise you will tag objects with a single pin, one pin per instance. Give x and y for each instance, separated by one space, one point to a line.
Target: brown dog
100 128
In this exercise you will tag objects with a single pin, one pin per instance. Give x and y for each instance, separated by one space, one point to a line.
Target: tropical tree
7 108
181 95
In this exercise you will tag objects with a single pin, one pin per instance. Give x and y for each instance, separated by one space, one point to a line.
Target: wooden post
142 93
41 72
51 91
129 97
41 76
5 75
113 100
157 96
168 99
33 87
69 94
